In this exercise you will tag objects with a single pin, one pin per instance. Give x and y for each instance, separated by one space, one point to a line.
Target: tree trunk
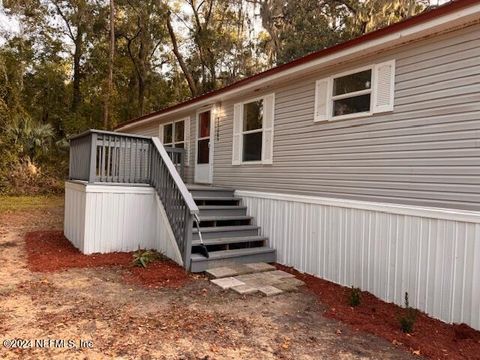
142 59
77 72
107 123
178 55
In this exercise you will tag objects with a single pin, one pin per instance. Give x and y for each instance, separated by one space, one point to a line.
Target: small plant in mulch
408 318
142 258
354 296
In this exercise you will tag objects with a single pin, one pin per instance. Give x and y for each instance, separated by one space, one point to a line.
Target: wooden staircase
229 234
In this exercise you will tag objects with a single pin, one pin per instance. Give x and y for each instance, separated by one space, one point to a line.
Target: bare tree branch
181 62
67 23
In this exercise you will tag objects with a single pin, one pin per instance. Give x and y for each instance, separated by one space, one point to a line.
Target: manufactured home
359 164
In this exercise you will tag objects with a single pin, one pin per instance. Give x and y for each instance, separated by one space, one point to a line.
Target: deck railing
104 156
109 157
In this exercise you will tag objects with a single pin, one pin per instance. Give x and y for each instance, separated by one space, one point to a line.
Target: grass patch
18 203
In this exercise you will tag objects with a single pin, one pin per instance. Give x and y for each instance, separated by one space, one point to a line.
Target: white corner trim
409 210
76 185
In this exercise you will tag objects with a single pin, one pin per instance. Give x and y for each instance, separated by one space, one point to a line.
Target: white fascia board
113 188
442 23
119 189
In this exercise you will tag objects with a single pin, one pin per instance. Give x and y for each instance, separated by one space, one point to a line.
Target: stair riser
232 241
225 234
216 193
199 266
217 202
224 212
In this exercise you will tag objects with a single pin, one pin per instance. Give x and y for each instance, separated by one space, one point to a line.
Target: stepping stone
242 269
260 267
268 279
293 281
245 289
286 287
227 283
270 290
221 272
255 283
280 274
247 277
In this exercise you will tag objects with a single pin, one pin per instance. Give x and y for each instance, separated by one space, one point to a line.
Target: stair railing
109 157
176 199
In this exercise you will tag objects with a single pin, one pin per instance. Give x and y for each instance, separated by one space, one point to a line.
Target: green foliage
354 296
408 317
32 139
142 258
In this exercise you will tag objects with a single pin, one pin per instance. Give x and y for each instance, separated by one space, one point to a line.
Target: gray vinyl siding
427 152
150 129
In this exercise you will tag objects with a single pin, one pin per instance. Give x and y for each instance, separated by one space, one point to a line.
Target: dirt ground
197 321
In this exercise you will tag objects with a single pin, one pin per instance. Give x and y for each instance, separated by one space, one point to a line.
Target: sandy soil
197 321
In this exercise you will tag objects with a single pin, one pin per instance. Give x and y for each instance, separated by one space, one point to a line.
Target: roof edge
443 10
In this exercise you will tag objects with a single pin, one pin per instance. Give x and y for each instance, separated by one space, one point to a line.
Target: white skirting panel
386 249
74 215
107 218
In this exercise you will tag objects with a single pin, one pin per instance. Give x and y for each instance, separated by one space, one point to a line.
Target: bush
24 178
407 320
354 296
142 258
31 163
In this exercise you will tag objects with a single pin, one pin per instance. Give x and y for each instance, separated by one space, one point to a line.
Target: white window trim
254 162
332 98
328 115
173 133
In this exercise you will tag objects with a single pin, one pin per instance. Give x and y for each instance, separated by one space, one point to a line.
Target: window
174 134
352 93
356 93
252 130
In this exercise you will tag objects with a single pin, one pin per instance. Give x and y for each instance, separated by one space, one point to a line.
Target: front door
204 146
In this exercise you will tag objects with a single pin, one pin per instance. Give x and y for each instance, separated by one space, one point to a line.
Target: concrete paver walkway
253 278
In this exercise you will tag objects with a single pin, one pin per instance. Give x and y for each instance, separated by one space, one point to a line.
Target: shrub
407 320
144 257
354 296
24 178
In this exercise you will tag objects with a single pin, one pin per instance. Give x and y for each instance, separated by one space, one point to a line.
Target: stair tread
229 240
220 207
216 198
224 217
227 228
214 255
207 188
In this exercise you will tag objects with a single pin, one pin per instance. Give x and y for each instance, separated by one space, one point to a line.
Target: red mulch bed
163 273
50 251
431 338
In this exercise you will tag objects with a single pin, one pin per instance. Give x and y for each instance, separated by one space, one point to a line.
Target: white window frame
252 131
173 143
332 98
